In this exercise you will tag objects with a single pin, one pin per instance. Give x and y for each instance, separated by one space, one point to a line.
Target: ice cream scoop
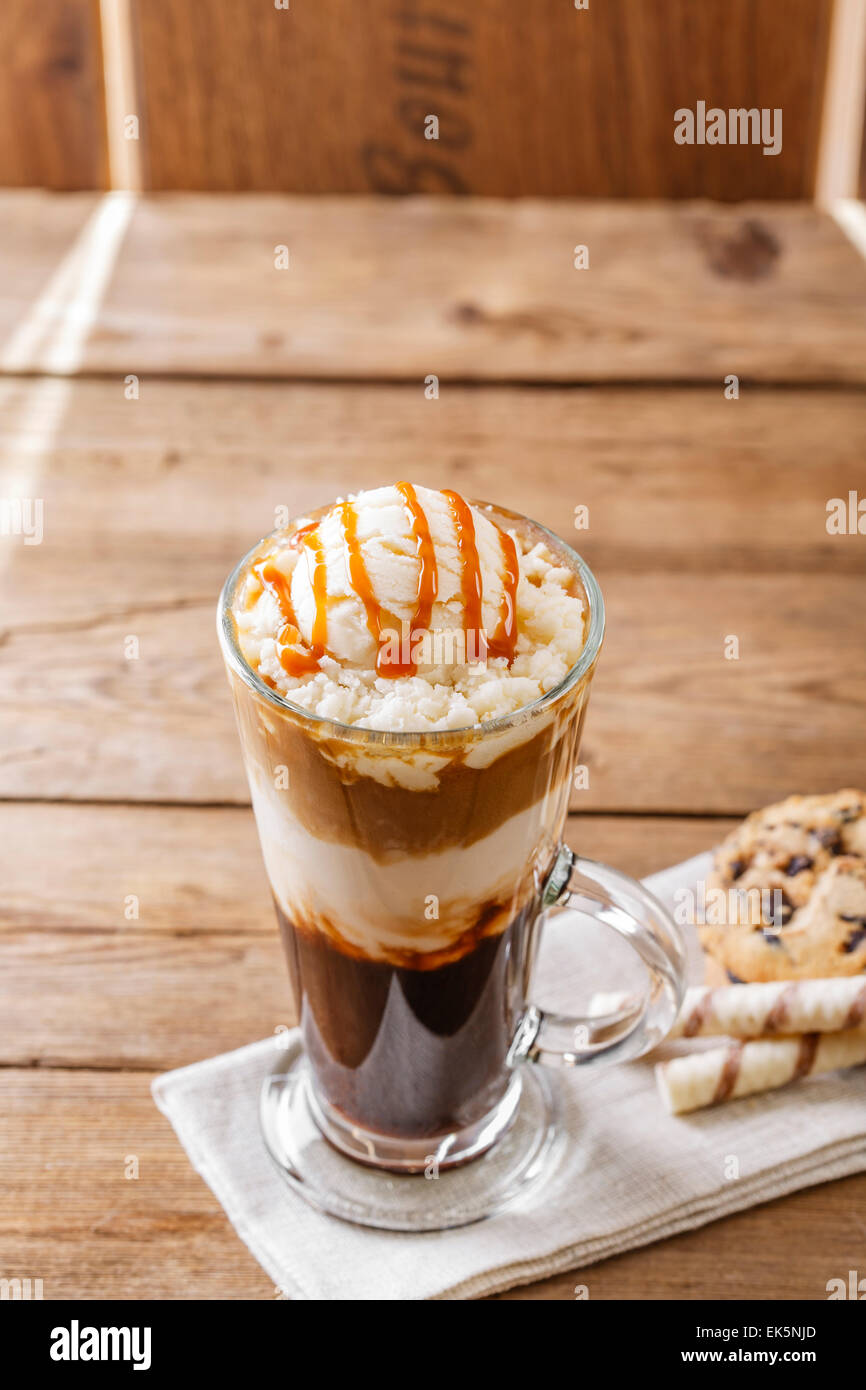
387 578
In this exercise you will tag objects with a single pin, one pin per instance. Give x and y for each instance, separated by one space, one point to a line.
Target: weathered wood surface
473 289
52 106
539 99
71 1217
707 520
198 871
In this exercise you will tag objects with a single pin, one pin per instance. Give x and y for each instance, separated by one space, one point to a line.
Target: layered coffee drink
406 673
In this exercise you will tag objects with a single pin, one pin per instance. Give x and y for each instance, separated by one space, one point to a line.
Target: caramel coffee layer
336 802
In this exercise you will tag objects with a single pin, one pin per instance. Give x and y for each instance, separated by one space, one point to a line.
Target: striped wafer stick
744 1068
756 1011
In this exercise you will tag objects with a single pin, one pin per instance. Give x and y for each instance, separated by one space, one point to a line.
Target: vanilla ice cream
409 609
383 550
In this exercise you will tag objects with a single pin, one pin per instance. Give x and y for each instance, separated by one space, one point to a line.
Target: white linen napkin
631 1174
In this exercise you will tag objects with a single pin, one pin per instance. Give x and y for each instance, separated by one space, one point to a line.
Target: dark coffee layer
410 1053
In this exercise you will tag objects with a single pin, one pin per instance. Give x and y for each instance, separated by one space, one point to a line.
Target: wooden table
121 778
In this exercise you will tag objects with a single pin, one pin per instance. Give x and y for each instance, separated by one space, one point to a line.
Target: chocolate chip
857 936
782 912
736 868
829 837
797 864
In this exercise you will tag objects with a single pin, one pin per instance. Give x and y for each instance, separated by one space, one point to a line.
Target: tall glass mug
412 874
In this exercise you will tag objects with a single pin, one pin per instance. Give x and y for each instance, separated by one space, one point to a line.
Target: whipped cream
406 609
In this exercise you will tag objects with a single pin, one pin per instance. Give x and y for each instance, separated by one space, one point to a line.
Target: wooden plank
70 1216
541 100
135 1001
787 1249
192 870
144 506
37 231
164 1236
472 289
151 501
673 724
200 969
52 111
199 870
840 147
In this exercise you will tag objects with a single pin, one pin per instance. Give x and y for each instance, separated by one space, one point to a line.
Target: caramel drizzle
294 662
504 639
360 579
428 582
297 538
297 662
470 569
319 634
277 585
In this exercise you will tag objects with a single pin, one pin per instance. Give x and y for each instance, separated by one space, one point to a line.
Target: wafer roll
755 1011
744 1068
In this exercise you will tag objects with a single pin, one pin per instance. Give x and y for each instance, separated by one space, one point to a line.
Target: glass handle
624 905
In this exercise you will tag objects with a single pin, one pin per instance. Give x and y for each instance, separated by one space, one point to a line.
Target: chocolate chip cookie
787 897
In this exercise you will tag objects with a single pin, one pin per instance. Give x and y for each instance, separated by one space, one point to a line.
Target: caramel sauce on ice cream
342 614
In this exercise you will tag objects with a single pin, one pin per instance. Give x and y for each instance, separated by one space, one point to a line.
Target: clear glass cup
412 874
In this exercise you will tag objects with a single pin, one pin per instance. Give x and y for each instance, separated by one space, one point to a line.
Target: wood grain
69 1216
707 517
469 289
132 1001
52 112
787 1249
38 230
156 729
198 870
150 502
540 100
704 515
